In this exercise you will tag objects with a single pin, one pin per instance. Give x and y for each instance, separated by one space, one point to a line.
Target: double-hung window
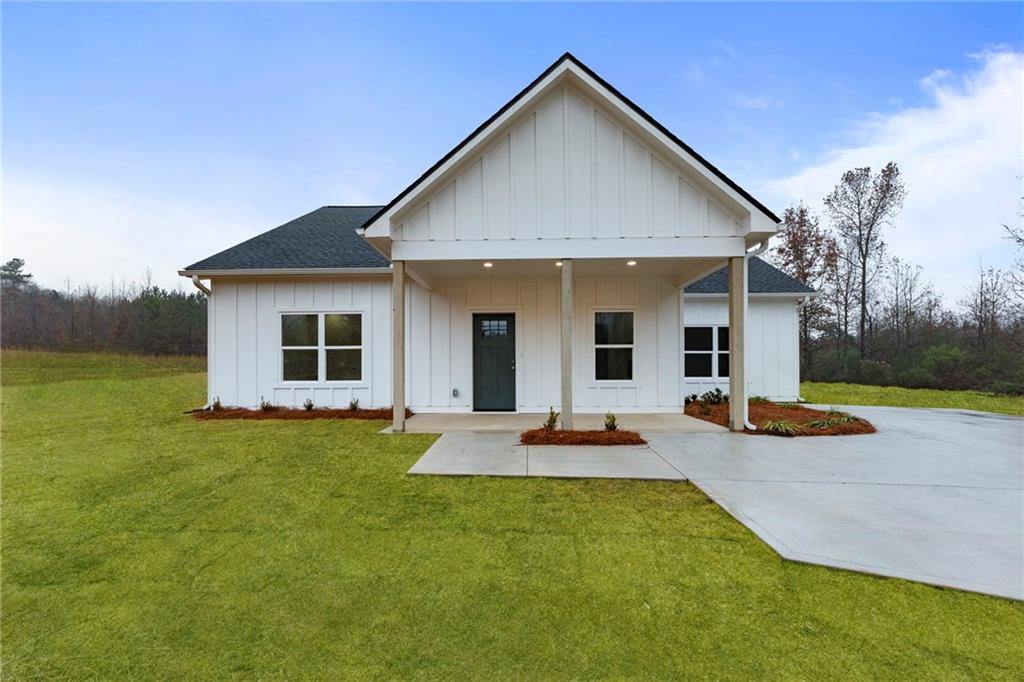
613 346
706 352
322 347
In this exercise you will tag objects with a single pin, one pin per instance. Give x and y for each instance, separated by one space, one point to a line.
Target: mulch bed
800 416
384 413
545 437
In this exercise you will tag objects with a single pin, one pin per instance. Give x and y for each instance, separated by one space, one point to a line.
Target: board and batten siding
567 169
773 344
245 340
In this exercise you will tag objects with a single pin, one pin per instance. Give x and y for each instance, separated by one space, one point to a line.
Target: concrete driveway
936 496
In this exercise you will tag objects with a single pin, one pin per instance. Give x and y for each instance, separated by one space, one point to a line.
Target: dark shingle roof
762 278
324 238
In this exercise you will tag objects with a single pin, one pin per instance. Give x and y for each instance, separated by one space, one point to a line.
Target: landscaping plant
265 404
308 404
215 405
353 404
551 423
610 423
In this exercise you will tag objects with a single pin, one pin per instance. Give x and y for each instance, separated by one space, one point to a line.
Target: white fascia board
283 272
381 227
540 249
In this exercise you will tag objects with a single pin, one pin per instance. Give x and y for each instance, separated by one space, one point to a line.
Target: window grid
322 348
717 355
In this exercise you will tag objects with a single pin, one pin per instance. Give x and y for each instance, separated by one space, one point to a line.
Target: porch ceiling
681 269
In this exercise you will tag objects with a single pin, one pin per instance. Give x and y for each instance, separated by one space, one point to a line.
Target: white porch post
567 344
398 345
737 380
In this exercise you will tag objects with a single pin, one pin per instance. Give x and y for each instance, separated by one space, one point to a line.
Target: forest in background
877 319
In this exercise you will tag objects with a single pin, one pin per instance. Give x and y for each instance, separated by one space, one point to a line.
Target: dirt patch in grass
384 413
779 417
545 437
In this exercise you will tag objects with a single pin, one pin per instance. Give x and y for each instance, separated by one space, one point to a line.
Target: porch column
567 344
398 345
737 306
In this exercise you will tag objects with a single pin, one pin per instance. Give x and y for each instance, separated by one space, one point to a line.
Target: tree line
127 318
877 320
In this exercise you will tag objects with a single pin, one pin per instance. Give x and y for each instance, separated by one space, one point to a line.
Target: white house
570 252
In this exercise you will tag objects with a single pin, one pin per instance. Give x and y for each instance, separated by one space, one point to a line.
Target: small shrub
714 397
918 377
551 423
610 422
788 406
820 424
1006 388
692 398
874 372
215 405
265 404
308 404
758 400
705 409
781 427
353 404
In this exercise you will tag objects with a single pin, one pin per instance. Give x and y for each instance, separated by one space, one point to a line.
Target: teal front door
494 362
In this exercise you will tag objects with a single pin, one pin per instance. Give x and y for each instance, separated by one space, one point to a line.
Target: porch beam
566 372
418 277
737 334
398 345
541 249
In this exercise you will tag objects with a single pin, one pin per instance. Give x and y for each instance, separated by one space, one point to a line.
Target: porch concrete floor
519 421
498 453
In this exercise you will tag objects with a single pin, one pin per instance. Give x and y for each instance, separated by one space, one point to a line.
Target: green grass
139 543
860 394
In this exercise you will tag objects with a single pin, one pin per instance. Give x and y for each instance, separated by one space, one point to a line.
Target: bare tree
985 305
806 253
859 207
904 295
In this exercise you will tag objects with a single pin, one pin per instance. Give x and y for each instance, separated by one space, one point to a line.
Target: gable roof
569 57
324 238
762 278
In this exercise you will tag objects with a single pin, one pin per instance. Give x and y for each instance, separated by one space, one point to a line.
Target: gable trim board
339 259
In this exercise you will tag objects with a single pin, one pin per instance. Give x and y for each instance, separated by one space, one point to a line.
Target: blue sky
151 135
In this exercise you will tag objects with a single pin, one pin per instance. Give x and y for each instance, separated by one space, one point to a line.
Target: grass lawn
140 543
860 394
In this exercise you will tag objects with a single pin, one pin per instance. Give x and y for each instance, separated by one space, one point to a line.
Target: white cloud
961 158
757 102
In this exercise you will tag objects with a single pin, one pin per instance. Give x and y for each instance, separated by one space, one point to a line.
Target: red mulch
545 437
759 413
384 413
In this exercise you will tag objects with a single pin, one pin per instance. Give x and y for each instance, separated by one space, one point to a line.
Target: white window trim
322 349
594 310
715 352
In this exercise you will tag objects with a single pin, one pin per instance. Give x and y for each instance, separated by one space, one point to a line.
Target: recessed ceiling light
488 264
631 263
558 263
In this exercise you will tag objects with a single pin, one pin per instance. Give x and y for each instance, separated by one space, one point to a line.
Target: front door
494 361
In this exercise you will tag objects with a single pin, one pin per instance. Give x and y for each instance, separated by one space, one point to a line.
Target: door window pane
345 364
299 330
343 330
493 328
300 365
697 338
614 364
723 364
613 328
697 364
723 338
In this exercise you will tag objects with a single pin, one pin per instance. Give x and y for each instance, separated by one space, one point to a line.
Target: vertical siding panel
380 395
440 371
419 341
580 165
304 295
647 351
549 333
460 353
551 167
247 330
663 199
469 203
284 295
341 295
523 159
268 345
323 296
226 385
442 213
635 189
669 348
497 217
690 210
607 177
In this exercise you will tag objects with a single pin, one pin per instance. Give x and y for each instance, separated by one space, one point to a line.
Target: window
322 347
706 352
613 346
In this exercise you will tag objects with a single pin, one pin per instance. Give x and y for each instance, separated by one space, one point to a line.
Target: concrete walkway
520 421
474 453
936 496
